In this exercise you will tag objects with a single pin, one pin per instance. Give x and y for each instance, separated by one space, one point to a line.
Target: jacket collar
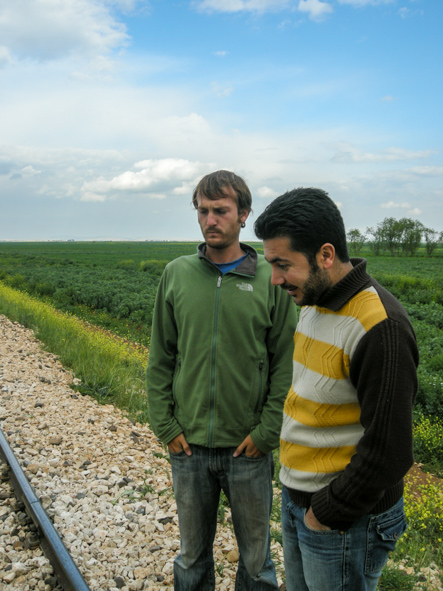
248 265
340 293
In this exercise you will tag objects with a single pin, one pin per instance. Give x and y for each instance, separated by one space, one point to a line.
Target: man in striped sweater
346 439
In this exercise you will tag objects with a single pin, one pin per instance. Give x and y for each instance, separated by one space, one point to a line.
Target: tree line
395 237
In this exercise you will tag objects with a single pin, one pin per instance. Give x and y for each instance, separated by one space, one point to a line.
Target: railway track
43 533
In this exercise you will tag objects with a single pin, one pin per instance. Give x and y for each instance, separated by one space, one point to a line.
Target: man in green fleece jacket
346 440
219 369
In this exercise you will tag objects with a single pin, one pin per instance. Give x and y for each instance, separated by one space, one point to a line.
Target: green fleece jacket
220 362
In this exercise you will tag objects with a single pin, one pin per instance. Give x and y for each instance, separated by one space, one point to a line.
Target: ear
326 256
244 214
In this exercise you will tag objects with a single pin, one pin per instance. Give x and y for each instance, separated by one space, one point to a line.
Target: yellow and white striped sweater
337 366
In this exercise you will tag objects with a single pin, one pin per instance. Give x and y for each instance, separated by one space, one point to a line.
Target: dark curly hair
309 218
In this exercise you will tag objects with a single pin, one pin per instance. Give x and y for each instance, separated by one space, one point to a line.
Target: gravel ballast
104 482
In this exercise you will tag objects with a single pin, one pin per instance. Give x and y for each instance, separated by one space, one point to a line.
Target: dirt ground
417 478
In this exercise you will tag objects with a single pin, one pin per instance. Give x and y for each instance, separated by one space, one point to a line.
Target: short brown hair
212 184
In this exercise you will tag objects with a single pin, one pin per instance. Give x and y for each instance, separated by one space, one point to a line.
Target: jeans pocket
251 458
178 454
383 532
319 532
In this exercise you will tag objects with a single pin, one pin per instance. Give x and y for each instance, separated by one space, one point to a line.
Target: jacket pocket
175 379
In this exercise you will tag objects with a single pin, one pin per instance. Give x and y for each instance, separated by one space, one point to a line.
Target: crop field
110 284
113 285
91 303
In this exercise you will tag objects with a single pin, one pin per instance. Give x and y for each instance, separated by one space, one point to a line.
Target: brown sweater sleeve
383 369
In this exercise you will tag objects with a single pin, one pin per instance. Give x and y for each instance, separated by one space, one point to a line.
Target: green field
113 285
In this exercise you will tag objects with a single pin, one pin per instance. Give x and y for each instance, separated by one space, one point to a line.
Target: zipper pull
219 280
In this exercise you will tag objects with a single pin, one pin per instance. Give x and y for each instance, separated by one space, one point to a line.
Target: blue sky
112 110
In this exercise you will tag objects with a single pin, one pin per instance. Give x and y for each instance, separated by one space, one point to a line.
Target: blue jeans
247 483
335 560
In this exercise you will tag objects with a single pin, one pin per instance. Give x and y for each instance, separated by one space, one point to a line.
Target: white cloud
29 171
5 56
266 193
405 205
388 98
99 68
429 171
220 53
92 197
392 205
404 12
50 29
126 5
360 3
221 91
314 8
349 153
155 178
241 5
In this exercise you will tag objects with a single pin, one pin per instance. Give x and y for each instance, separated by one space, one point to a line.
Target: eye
282 266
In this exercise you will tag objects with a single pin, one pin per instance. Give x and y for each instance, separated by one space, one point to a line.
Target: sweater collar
353 282
248 265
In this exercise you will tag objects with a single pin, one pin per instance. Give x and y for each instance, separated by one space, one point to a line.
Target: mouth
288 287
291 289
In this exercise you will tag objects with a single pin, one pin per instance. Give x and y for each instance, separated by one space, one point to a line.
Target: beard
220 239
314 287
213 239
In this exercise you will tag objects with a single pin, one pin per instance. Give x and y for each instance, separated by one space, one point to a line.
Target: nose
276 277
211 221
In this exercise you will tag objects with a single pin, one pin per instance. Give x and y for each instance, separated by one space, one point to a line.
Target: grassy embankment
108 368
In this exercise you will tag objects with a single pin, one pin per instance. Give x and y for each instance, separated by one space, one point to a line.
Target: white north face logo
245 286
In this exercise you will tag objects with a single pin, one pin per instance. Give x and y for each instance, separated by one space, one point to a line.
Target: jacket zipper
260 373
213 358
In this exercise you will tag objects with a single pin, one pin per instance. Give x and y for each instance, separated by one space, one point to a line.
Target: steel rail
66 571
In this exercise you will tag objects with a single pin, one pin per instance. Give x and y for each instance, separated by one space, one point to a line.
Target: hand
178 444
313 523
249 447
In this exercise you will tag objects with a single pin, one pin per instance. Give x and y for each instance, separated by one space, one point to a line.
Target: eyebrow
218 207
277 260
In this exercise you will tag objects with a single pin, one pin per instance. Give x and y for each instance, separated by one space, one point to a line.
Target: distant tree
432 239
391 230
386 237
411 235
356 240
376 243
404 235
